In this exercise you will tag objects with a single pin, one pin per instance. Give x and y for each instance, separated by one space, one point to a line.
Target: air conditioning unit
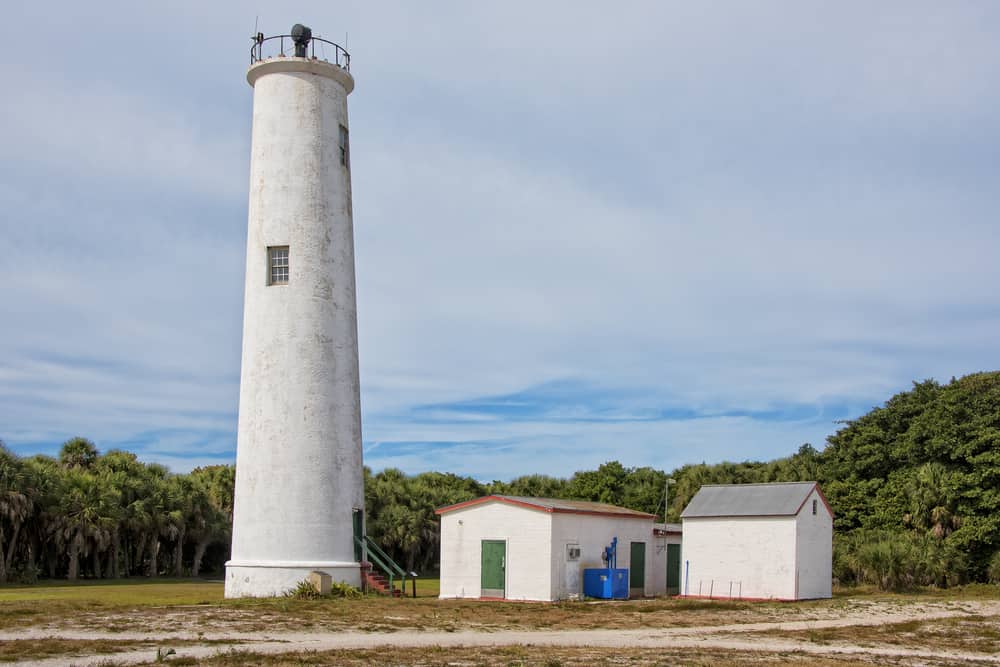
572 552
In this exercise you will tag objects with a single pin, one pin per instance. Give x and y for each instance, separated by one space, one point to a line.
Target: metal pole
687 573
666 496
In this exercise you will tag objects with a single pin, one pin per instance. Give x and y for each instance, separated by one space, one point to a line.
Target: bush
304 590
341 590
896 560
993 571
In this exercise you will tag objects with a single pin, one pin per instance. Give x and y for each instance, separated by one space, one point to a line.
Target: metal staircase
379 573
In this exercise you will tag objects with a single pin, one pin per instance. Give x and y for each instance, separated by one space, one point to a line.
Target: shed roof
776 499
552 505
667 529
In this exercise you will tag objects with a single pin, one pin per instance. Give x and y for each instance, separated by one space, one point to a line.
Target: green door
493 566
673 569
359 533
637 568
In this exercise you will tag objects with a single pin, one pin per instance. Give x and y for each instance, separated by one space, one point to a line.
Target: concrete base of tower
266 579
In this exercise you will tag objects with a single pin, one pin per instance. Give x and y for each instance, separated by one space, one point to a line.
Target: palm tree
932 502
212 510
156 513
15 507
89 509
124 472
44 484
78 453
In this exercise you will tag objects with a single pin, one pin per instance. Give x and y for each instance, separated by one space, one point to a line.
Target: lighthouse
299 502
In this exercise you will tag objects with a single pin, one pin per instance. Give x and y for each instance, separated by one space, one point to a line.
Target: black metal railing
283 45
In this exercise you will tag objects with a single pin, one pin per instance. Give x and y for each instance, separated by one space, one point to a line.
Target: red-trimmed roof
552 505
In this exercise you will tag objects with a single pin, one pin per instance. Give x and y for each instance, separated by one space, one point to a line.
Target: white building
537 548
758 541
299 483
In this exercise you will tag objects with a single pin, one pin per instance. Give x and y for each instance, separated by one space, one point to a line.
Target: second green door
637 569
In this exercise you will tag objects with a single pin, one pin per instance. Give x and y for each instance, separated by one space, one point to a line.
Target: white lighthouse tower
299 482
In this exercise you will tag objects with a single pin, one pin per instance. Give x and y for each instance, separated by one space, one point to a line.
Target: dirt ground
844 631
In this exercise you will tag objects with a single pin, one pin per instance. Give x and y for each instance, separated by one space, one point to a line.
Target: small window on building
814 507
277 265
345 148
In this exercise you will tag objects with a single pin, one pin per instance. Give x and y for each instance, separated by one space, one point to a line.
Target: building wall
592 533
756 554
528 535
814 551
658 571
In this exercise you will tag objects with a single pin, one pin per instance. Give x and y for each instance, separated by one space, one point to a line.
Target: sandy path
726 637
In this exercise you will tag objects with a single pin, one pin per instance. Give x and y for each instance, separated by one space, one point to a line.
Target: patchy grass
171 605
522 656
39 649
966 592
976 634
181 606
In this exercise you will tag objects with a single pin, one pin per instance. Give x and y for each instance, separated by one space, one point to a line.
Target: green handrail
373 545
375 553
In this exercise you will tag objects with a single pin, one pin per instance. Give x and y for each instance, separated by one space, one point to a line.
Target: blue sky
655 232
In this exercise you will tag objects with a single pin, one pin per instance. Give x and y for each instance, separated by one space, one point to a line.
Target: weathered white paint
537 565
593 533
814 553
658 570
298 460
774 557
526 532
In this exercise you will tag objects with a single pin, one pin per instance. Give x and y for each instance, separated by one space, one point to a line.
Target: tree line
914 486
109 516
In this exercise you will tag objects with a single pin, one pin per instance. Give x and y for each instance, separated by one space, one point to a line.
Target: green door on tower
673 569
494 565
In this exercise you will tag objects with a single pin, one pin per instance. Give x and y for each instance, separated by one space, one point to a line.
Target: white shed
519 548
758 541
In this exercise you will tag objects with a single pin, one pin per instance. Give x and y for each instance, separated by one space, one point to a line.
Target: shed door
493 566
673 569
637 567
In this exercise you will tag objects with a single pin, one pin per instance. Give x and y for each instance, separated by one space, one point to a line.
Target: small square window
277 265
345 148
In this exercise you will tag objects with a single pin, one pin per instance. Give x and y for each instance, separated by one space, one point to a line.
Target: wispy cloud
661 235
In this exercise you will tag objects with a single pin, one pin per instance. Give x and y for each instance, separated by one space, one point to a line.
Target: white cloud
725 210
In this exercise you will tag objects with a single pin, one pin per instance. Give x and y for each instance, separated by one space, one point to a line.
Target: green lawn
146 592
119 592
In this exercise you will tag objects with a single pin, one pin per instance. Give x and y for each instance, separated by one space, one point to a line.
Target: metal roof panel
776 499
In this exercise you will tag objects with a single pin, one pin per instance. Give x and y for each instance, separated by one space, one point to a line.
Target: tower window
345 148
814 507
277 265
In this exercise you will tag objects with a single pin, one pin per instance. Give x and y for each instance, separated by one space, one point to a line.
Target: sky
653 232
